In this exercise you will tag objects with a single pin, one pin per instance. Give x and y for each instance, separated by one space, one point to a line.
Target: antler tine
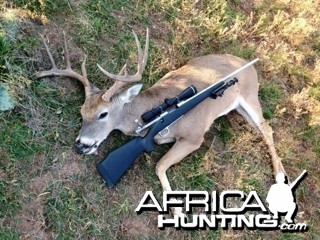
123 70
68 72
83 68
145 54
66 50
53 64
142 60
118 84
146 49
140 56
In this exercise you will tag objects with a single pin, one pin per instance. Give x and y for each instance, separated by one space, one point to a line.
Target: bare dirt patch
132 227
31 221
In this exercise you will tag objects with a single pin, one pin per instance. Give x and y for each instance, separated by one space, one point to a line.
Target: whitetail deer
120 105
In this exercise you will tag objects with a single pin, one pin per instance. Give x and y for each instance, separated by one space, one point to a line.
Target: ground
47 191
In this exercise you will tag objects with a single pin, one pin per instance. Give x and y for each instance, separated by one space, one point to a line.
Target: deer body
200 72
119 107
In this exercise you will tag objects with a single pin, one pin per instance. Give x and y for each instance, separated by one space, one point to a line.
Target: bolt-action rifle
114 166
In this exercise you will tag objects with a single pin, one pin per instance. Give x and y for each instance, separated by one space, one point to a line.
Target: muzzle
84 148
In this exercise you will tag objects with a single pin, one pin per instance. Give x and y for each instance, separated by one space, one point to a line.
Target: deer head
102 110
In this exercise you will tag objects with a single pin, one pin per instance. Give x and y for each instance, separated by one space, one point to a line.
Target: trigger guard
164 132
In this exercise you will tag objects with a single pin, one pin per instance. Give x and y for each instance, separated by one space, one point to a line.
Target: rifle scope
169 102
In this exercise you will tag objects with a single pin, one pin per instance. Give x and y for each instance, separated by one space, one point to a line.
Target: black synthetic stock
114 166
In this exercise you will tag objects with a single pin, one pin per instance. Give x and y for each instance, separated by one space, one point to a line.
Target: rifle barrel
222 80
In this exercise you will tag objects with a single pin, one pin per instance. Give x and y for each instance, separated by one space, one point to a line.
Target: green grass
41 176
224 129
68 206
9 199
310 134
271 95
46 7
20 145
9 234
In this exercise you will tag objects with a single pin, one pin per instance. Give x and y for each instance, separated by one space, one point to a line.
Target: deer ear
129 94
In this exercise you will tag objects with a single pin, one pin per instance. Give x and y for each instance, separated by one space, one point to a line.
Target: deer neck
142 103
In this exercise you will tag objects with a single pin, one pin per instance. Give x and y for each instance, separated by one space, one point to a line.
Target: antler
68 72
123 77
142 61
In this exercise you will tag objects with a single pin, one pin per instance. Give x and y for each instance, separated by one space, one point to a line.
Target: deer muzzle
85 148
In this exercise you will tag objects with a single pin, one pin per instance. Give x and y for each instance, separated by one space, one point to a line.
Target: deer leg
179 150
254 116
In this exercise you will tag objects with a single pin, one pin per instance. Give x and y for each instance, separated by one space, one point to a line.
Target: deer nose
81 147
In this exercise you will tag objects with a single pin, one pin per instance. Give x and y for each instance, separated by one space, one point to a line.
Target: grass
49 192
270 94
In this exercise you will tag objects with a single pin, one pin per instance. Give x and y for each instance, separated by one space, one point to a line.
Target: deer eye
103 115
